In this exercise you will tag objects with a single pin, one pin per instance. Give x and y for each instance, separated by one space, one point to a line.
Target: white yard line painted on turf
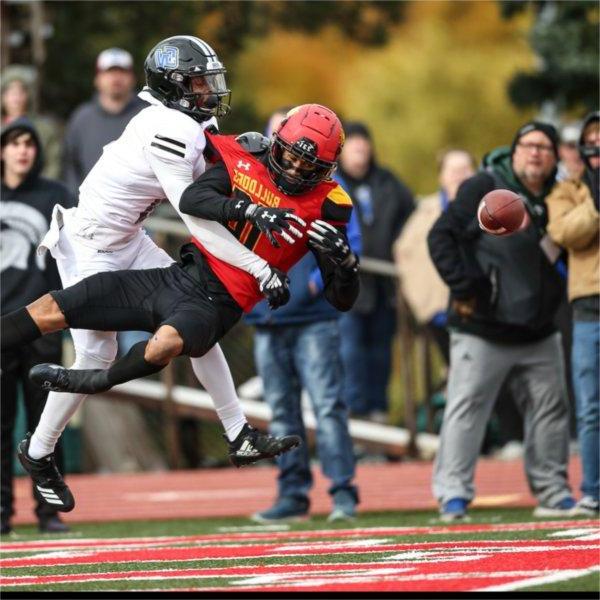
254 528
67 543
543 579
368 543
578 534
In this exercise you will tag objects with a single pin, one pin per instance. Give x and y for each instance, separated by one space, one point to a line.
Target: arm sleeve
573 226
209 197
448 232
175 174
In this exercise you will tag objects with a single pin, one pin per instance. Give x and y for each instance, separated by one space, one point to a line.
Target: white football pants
98 349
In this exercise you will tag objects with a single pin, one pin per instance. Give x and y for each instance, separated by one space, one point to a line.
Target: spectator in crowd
103 118
25 212
296 347
570 165
573 222
423 289
17 85
382 204
504 295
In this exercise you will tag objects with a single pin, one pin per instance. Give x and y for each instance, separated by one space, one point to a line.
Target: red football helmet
305 148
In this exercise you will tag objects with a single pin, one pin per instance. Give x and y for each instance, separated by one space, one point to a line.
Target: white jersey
158 156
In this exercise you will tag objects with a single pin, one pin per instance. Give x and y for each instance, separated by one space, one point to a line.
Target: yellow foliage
439 82
289 68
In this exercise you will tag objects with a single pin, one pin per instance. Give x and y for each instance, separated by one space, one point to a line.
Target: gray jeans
478 368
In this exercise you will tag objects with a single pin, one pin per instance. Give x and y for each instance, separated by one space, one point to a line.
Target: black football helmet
171 67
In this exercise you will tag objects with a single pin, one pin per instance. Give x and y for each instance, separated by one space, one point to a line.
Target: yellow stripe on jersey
338 196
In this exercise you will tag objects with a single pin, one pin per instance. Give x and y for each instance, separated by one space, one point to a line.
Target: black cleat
251 445
50 487
53 378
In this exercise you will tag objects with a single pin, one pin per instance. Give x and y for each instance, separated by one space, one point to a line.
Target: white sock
213 373
59 409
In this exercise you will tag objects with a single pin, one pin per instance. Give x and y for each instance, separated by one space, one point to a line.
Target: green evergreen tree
564 36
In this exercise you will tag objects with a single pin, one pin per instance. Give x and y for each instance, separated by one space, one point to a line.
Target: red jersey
250 180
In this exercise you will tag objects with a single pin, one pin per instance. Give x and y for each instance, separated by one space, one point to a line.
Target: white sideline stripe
560 576
359 430
47 490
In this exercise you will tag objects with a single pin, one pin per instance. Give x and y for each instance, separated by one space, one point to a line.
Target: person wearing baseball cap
102 119
114 58
570 166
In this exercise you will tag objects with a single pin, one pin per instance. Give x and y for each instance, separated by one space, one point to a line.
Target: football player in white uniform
158 156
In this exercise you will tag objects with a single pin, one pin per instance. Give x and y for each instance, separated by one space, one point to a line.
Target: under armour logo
269 216
243 165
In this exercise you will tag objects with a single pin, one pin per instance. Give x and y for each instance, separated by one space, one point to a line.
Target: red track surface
233 492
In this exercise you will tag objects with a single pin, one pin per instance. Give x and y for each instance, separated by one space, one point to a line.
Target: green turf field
496 549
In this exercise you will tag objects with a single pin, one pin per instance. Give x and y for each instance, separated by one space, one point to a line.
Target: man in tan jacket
423 288
573 222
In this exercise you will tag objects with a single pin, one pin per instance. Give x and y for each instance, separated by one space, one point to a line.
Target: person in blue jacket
296 347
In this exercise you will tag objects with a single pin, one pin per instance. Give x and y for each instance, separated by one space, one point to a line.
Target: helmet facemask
213 101
309 173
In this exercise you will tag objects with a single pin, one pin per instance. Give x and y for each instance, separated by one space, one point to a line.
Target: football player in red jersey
269 193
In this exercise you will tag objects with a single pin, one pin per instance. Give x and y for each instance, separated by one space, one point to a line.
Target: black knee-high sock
18 328
131 366
93 381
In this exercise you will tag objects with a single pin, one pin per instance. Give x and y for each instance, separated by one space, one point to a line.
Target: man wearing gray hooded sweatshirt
25 213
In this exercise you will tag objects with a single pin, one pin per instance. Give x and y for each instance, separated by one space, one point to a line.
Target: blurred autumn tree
440 81
82 29
422 75
564 36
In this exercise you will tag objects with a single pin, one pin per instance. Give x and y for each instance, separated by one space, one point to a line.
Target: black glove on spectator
275 288
333 244
274 220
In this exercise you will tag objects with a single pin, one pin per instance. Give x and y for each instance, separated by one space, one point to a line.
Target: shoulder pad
253 142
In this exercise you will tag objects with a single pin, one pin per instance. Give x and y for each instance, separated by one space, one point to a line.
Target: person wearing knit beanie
548 130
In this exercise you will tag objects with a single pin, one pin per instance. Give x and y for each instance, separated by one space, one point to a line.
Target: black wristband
236 210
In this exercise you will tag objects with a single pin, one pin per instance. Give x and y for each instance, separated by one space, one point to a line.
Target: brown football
501 212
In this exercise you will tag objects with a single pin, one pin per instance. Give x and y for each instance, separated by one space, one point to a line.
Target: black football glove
274 286
274 220
332 244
